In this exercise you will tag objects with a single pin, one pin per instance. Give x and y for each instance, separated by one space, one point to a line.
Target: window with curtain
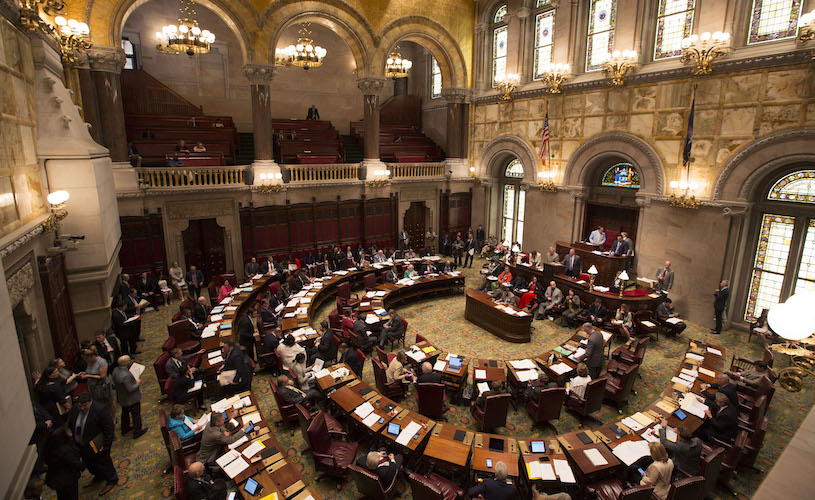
514 203
773 20
674 22
435 78
544 36
499 45
600 39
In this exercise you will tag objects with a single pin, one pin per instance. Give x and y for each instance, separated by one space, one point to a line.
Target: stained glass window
622 175
541 3
515 169
674 22
544 35
806 269
499 54
770 265
435 78
797 186
519 222
512 215
600 40
500 14
773 20
509 212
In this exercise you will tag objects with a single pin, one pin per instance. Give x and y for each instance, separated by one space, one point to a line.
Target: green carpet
441 320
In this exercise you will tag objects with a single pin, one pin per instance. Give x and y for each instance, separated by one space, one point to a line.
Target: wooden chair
183 456
370 281
332 456
430 399
645 324
288 412
548 406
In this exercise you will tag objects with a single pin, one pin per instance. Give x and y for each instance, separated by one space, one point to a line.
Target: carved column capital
457 95
259 74
480 28
643 201
523 12
370 85
108 59
735 211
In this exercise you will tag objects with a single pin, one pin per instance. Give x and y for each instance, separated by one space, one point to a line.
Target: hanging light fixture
187 36
396 66
304 54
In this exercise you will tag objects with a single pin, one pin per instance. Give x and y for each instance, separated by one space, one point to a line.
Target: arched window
623 175
499 45
674 22
544 37
784 262
773 20
600 38
435 78
514 203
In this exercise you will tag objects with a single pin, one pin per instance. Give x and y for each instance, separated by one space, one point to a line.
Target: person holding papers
625 320
394 329
495 489
383 464
577 385
552 298
128 393
410 272
127 328
248 331
496 387
666 315
292 395
366 339
215 437
184 387
686 452
379 257
287 351
598 237
326 348
722 420
305 377
593 357
619 248
225 291
350 358
179 423
201 311
198 485
236 361
396 369
659 473
92 427
178 361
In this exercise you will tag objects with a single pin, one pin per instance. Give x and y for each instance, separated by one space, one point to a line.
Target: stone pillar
106 65
482 62
370 88
400 86
523 49
90 102
457 133
260 78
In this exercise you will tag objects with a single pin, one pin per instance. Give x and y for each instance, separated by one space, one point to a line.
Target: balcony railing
171 177
318 173
414 170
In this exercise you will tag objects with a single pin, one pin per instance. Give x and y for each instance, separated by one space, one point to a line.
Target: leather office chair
384 357
362 359
711 466
180 332
179 487
620 384
750 418
396 340
288 413
158 366
344 296
370 281
168 344
330 455
430 399
591 401
420 338
749 396
731 459
305 417
691 488
433 487
393 390
268 360
613 489
645 324
369 486
335 320
183 456
548 405
633 355
753 445
163 424
494 413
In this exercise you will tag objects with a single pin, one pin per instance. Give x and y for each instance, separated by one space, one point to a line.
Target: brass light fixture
57 201
704 49
73 37
793 321
271 183
617 64
593 272
547 181
381 178
304 54
687 197
187 37
806 29
507 84
396 66
30 13
555 75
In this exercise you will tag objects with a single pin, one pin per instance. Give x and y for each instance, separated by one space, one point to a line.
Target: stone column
400 86
523 50
260 78
106 65
90 102
457 133
482 56
370 88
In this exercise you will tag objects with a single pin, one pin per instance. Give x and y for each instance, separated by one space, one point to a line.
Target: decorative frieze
20 283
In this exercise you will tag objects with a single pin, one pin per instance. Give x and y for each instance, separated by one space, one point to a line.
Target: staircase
246 149
353 153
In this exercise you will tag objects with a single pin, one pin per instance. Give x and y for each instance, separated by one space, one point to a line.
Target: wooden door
58 306
613 218
414 224
204 247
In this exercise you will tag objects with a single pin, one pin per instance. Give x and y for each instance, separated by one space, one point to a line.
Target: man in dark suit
394 329
122 289
248 332
722 420
596 312
480 237
126 331
444 245
665 278
198 485
200 312
194 327
533 390
326 348
294 395
593 357
271 340
724 385
349 357
365 341
251 268
267 315
664 312
428 376
572 264
720 297
235 359
619 248
213 439
93 431
195 280
382 464
325 268
178 361
470 249
495 489
107 346
686 451
148 290
390 276
496 387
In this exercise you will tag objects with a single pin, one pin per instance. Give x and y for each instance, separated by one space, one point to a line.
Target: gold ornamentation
704 49
507 84
556 74
684 201
30 13
618 64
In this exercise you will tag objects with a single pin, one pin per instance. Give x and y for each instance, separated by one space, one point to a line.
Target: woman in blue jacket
178 424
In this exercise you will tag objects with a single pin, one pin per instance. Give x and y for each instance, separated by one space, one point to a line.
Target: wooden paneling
142 244
455 211
58 306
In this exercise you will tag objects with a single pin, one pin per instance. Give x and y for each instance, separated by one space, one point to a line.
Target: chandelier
704 49
73 37
304 54
187 37
395 66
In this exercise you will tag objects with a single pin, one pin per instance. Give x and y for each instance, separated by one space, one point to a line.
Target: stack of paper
595 457
340 373
693 405
563 471
705 371
136 369
674 321
408 432
713 351
630 451
480 374
243 439
560 368
321 373
527 375
417 356
253 449
440 365
364 410
371 319
540 470
632 424
694 356
236 467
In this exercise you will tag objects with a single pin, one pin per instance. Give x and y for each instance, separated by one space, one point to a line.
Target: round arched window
623 175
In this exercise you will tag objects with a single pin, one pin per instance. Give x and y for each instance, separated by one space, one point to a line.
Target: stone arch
499 150
429 34
106 20
340 17
489 10
744 172
584 162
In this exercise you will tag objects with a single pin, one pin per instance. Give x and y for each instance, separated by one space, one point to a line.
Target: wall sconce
73 37
30 13
381 178
546 181
472 174
57 201
704 49
507 84
617 64
687 199
271 183
624 279
555 75
806 28
592 276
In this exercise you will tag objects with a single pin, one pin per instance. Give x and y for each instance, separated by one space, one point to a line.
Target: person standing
597 237
593 357
720 297
177 280
404 239
480 237
458 249
65 466
195 280
128 393
572 264
93 431
313 114
248 332
665 278
469 250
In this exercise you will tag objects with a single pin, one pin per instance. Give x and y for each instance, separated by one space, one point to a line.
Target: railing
317 173
411 170
170 177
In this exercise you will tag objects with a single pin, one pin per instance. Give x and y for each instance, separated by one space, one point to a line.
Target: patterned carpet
441 320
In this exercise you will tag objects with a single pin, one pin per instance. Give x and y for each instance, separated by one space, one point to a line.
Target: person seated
596 313
175 161
625 321
577 385
495 489
428 376
752 376
194 327
532 295
396 369
293 395
505 276
225 290
410 272
201 311
664 312
182 147
133 155
536 259
724 383
363 261
551 256
199 147
686 452
379 257
533 389
178 361
447 267
496 387
214 437
659 473
539 495
178 423
350 358
366 339
288 350
271 340
394 329
597 237
489 246
619 248
302 373
326 347
571 304
324 268
410 254
199 485
722 420
505 296
183 383
519 283
552 298
382 464
192 122
218 123
148 290
267 314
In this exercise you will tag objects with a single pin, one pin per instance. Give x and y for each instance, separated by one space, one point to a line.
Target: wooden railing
171 177
317 173
412 170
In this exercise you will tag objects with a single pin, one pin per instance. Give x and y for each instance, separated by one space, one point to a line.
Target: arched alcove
500 150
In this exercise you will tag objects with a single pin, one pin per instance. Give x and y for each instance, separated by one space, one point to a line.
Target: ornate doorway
204 244
414 224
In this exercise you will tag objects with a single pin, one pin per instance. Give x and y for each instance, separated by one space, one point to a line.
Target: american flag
545 137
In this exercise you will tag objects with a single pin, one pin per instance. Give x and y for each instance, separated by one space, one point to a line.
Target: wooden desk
481 452
612 301
422 354
346 398
607 265
481 310
588 471
403 419
445 450
495 370
549 455
329 382
453 378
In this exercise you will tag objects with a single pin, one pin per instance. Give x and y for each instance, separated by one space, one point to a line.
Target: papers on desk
630 451
560 368
227 458
595 457
236 467
527 375
408 432
340 373
216 317
643 419
581 282
523 364
253 449
694 405
364 410
714 351
482 387
197 386
603 289
606 336
321 373
252 417
341 273
364 304
369 294
226 377
214 360
705 371
371 419
576 355
380 312
381 293
226 301
694 356
563 471
417 356
230 308
290 315
632 424
540 470
647 323
682 382
674 321
450 356
292 303
480 374
217 310
243 440
136 369
440 365
371 319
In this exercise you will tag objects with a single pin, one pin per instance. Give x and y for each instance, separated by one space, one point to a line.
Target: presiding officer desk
607 265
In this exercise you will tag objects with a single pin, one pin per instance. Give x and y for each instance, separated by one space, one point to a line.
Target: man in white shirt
598 237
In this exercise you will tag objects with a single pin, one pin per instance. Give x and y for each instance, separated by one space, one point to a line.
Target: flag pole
549 144
687 131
